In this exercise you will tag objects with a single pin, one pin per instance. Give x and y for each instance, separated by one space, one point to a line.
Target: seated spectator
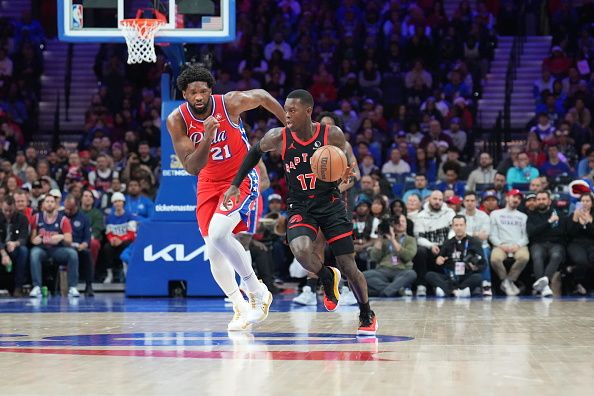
101 176
529 202
459 137
432 226
552 107
456 87
509 239
120 233
367 165
418 75
364 231
423 164
278 44
566 146
420 188
554 167
51 236
435 135
413 206
544 129
81 240
543 83
484 174
14 235
558 63
393 252
586 165
546 233
397 208
396 164
580 232
523 172
452 156
510 161
584 117
366 189
137 204
452 172
454 202
461 261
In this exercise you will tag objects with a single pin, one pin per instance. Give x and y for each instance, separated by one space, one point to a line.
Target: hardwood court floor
110 345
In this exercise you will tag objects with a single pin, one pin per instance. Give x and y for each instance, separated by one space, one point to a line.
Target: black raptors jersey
301 180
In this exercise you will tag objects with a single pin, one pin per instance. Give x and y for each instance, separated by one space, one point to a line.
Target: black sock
312 283
364 308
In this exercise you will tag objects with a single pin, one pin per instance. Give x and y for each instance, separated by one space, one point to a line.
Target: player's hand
231 196
210 127
348 173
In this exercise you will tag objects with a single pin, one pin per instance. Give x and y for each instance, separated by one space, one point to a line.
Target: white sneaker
239 321
547 292
540 284
307 297
422 291
514 288
438 292
347 297
72 292
260 304
35 292
408 292
487 292
508 287
462 293
109 277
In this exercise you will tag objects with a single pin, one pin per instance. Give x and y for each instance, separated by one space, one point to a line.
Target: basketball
328 163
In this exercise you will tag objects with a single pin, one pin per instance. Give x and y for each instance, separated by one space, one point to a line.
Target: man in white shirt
478 225
396 164
510 239
484 174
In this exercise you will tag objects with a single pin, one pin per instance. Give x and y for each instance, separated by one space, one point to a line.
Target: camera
472 258
383 227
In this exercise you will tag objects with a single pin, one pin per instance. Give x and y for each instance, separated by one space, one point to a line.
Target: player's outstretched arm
192 158
271 141
264 179
336 138
237 102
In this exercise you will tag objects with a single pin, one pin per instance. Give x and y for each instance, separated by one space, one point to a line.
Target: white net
140 38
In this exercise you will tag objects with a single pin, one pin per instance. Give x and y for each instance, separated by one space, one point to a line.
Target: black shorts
323 213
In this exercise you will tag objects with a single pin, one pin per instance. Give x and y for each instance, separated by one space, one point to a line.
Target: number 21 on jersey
220 153
311 181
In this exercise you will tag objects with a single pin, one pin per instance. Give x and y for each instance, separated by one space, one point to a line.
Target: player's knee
301 248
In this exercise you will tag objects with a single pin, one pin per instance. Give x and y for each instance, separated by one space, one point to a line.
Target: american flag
212 23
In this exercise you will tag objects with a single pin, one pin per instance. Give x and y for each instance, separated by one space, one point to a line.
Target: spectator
418 75
510 240
452 156
366 190
367 165
461 260
546 233
543 83
452 172
552 108
584 117
580 231
413 206
364 232
484 174
544 129
510 161
435 135
14 234
81 240
393 252
454 202
425 165
554 167
458 136
138 204
396 164
432 225
278 44
97 221
523 172
530 202
420 188
120 233
51 236
21 201
586 165
19 168
558 63
101 177
566 146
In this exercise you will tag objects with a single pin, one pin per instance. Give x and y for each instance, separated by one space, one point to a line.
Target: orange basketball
328 163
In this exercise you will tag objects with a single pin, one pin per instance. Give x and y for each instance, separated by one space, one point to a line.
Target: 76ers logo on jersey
295 219
197 136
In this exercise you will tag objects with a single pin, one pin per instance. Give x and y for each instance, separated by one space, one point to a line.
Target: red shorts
210 201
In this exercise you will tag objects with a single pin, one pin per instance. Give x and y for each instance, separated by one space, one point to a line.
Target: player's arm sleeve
249 162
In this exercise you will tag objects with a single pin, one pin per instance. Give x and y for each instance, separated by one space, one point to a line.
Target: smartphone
579 206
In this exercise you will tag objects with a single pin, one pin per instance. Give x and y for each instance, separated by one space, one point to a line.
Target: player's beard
200 112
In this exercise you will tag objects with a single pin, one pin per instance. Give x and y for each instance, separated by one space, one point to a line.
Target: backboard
188 21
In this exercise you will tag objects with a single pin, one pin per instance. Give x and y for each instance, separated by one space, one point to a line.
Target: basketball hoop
140 38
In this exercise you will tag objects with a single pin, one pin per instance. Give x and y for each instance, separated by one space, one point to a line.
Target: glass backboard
188 21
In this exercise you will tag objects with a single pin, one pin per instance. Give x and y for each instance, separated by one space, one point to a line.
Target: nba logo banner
77 16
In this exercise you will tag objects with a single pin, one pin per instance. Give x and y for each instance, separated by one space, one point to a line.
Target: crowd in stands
402 80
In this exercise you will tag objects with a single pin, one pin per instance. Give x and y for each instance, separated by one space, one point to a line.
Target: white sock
220 235
223 273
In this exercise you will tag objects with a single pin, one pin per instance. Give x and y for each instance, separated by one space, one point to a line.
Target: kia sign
169 251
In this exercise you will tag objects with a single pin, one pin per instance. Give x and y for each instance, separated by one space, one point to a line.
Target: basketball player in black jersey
312 204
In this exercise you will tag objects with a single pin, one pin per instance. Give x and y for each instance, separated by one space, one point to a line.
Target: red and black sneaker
331 293
367 324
